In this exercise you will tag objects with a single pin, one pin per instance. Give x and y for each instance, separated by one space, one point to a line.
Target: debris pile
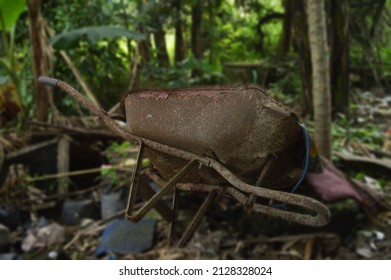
63 192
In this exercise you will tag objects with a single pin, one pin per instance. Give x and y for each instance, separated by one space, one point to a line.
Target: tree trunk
302 47
196 33
196 29
161 48
376 17
144 47
320 75
40 59
339 13
180 49
286 34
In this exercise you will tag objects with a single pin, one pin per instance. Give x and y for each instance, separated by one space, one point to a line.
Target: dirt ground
353 233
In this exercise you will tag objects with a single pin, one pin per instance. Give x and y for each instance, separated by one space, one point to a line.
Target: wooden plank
379 165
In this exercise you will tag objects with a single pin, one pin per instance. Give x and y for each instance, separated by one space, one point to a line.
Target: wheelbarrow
222 140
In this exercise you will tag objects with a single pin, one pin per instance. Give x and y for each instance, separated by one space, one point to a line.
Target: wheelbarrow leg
159 195
147 192
193 225
134 182
175 208
197 219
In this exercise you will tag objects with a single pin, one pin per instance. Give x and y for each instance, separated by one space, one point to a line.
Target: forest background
328 61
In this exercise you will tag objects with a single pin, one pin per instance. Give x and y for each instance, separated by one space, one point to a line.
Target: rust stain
158 95
191 94
163 95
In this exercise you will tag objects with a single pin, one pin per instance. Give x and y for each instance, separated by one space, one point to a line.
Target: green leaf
360 176
93 34
10 11
4 80
383 183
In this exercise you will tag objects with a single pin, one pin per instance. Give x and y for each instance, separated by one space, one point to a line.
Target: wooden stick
75 72
73 173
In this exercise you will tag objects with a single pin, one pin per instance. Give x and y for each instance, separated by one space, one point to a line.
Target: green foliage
383 182
232 34
11 67
104 63
344 129
118 150
120 154
359 175
369 45
117 153
93 34
234 39
112 175
10 12
181 74
286 81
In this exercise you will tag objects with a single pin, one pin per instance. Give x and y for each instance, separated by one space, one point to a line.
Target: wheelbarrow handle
48 81
76 95
91 107
322 212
